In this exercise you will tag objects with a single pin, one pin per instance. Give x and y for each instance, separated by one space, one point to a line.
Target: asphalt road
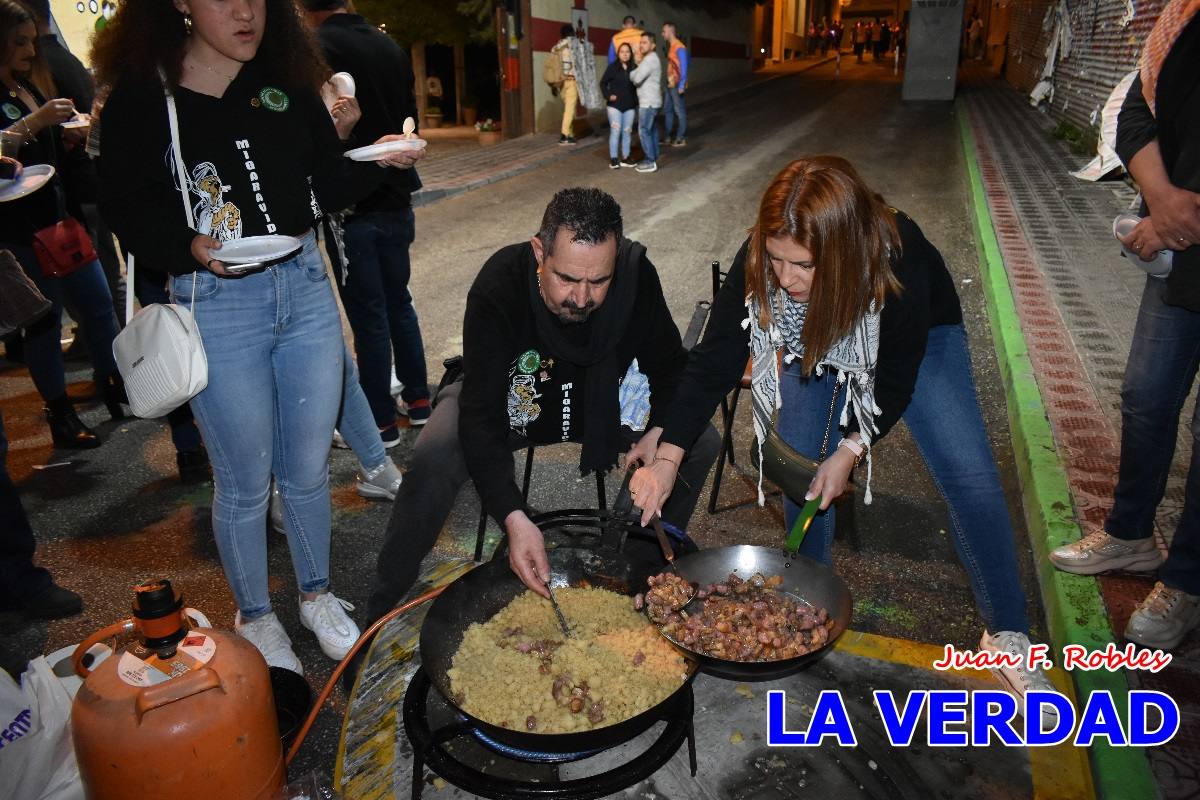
115 516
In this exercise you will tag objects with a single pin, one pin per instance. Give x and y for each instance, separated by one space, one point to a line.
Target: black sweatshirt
616 81
717 364
512 382
383 80
1177 129
249 155
20 219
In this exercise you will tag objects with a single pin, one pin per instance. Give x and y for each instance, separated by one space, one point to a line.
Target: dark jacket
383 79
615 81
514 383
717 364
20 219
71 77
1177 129
264 158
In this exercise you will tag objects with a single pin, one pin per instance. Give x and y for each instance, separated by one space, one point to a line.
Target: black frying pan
806 580
482 592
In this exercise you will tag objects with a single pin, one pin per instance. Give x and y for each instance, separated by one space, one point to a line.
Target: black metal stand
429 749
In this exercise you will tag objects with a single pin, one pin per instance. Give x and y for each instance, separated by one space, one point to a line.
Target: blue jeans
1159 375
88 290
355 422
944 420
274 345
647 135
380 309
620 131
673 108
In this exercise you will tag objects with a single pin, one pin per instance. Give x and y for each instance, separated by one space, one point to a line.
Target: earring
187 23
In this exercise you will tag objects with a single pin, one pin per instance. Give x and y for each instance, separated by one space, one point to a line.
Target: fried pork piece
748 620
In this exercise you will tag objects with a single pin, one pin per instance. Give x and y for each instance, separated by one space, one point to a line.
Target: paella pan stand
432 747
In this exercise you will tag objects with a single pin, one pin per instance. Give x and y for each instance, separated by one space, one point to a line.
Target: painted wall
77 21
720 46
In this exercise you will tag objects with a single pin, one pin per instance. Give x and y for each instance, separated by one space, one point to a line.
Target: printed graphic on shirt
215 216
11 111
522 410
566 411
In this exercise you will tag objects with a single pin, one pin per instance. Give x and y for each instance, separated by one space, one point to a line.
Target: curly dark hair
144 34
590 214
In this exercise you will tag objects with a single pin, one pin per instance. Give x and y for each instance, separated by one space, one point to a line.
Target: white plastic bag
37 757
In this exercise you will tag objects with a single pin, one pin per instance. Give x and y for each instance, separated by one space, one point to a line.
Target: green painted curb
1075 611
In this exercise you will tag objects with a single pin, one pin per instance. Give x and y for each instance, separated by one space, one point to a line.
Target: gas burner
432 747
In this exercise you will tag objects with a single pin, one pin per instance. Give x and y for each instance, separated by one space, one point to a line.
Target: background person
647 77
1158 139
629 34
674 107
621 95
258 145
569 91
381 228
34 120
865 315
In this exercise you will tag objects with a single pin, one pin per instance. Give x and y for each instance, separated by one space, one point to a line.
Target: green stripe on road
1074 609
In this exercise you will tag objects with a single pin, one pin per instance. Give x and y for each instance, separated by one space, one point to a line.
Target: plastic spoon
409 126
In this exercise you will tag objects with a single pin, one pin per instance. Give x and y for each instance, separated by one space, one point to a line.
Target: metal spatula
562 621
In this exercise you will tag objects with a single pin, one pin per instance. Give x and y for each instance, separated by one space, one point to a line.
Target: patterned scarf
854 356
1171 22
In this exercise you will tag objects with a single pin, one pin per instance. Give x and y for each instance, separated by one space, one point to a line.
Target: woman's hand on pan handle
204 250
527 552
832 477
651 485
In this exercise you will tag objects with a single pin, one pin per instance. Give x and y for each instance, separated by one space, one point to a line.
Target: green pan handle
800 527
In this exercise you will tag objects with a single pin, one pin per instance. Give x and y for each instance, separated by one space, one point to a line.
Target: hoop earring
187 23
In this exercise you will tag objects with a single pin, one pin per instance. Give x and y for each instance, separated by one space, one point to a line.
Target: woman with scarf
842 303
1158 139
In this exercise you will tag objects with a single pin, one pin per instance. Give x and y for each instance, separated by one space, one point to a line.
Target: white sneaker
267 635
326 617
1019 680
338 441
1099 551
397 387
382 482
1163 618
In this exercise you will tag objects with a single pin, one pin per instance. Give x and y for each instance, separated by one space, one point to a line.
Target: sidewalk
1076 301
465 168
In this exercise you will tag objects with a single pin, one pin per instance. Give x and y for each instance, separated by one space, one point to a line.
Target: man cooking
551 327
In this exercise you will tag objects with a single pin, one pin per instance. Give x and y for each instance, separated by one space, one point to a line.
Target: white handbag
160 354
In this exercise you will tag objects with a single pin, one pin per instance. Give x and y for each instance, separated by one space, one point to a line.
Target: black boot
66 427
193 465
113 388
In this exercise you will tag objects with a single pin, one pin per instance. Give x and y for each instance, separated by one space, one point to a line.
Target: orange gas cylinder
183 713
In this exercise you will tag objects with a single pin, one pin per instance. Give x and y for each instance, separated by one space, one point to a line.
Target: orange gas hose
341 667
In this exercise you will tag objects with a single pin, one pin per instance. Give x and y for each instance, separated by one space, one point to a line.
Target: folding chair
729 406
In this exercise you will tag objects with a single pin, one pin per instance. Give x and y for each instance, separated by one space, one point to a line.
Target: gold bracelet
669 461
28 133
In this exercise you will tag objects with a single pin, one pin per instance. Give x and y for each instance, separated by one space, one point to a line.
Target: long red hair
822 204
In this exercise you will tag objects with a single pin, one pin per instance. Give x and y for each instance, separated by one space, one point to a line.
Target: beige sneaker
1098 552
1163 618
1019 680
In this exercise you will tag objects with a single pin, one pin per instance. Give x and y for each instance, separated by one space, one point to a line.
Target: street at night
1049 307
